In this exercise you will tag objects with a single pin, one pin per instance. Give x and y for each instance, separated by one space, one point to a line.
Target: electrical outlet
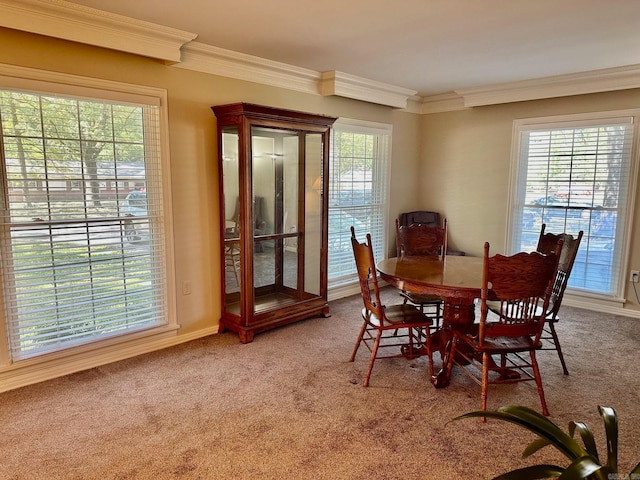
186 287
635 276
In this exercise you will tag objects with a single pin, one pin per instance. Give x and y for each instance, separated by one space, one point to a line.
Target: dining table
457 279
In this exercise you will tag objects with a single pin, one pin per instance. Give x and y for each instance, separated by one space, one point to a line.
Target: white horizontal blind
81 239
358 186
576 177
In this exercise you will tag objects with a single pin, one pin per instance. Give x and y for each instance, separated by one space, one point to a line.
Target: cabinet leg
246 336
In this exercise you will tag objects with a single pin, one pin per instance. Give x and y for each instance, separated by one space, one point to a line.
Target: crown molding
445 102
350 86
595 81
219 61
227 63
70 21
414 104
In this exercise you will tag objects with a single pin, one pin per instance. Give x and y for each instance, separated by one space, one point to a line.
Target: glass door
231 208
277 234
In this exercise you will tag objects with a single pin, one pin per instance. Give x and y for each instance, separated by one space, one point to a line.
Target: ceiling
429 46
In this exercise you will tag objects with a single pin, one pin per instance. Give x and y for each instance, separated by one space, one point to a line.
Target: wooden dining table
456 279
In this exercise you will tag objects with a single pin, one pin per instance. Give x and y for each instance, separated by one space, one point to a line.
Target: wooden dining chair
419 239
547 242
388 331
425 217
519 283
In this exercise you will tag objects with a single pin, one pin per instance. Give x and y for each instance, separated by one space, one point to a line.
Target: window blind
576 176
358 186
82 226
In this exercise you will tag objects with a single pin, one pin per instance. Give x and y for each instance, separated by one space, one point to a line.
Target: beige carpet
291 406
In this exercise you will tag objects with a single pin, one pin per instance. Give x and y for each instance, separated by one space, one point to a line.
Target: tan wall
193 146
405 182
466 160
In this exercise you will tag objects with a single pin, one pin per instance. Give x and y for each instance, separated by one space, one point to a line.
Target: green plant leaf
611 428
585 463
538 424
582 468
534 446
587 437
533 472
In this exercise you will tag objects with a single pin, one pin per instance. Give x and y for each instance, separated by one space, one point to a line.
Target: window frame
82 88
340 286
616 299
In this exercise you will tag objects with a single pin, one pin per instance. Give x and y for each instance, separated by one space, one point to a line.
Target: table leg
458 312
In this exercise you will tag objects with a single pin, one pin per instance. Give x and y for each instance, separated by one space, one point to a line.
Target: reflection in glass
231 179
275 172
313 212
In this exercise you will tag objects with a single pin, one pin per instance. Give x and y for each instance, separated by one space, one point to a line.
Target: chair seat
502 344
401 313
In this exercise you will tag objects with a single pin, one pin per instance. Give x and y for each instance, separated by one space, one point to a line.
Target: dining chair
519 283
382 324
546 243
425 217
419 239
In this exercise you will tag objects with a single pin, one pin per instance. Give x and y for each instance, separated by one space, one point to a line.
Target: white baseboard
47 367
345 290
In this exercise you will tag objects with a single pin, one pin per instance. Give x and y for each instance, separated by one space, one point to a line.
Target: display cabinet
273 214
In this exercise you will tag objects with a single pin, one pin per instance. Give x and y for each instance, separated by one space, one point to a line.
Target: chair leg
452 354
429 351
419 332
556 343
485 382
374 352
536 374
359 341
414 337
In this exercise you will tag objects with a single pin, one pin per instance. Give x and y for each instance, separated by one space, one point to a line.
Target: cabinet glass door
231 199
312 212
277 224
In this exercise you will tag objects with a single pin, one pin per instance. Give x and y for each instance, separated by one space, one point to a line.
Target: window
82 226
576 174
358 185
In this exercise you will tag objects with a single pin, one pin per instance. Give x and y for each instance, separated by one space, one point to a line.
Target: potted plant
585 462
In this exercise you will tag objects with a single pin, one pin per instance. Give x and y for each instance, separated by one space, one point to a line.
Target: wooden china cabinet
273 210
